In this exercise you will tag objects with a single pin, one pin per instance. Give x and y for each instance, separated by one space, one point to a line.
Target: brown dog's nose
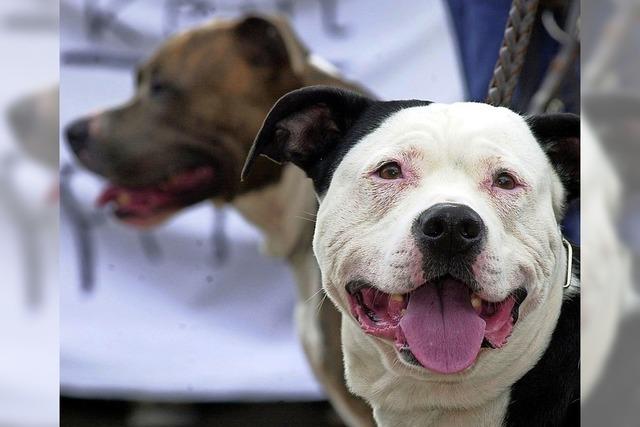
77 134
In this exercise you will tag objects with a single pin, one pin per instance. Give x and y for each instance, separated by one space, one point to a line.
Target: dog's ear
305 125
559 136
269 42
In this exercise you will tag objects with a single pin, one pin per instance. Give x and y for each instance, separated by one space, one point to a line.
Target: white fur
448 153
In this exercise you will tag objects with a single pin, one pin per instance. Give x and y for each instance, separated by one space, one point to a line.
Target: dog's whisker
320 304
305 219
314 295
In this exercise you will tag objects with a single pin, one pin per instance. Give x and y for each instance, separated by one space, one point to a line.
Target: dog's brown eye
390 170
505 181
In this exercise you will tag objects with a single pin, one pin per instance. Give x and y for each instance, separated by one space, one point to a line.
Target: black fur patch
559 136
368 122
304 124
314 127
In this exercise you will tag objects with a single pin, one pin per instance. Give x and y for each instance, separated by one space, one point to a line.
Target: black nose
78 135
450 229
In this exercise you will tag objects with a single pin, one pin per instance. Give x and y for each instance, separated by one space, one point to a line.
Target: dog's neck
285 212
401 396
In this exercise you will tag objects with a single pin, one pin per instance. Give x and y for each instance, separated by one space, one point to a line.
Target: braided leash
517 34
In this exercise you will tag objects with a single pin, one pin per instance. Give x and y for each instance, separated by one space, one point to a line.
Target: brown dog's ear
305 125
559 136
269 42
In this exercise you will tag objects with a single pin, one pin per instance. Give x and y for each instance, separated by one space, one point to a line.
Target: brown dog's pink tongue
442 329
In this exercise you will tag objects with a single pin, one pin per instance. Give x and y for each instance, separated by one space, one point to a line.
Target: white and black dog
438 239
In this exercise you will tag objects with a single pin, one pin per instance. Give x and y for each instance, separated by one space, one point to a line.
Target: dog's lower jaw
402 395
422 411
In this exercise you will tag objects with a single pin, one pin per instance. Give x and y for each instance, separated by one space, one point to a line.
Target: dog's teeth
476 302
397 297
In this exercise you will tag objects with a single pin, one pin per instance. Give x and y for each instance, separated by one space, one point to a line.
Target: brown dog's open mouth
442 325
146 205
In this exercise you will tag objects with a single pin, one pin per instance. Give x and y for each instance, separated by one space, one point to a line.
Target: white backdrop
182 326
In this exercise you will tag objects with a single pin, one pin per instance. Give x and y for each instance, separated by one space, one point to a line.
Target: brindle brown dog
199 102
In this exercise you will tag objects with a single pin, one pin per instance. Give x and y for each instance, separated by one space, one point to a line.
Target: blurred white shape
28 215
34 120
604 287
611 392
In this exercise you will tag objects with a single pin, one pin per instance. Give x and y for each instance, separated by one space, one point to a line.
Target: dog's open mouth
441 326
148 205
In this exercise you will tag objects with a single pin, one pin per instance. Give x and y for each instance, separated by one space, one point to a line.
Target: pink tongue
441 327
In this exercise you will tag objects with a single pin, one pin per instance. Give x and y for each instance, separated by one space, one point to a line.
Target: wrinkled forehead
452 134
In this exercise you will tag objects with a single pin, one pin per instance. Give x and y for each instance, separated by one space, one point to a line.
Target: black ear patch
303 136
262 43
559 136
305 125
